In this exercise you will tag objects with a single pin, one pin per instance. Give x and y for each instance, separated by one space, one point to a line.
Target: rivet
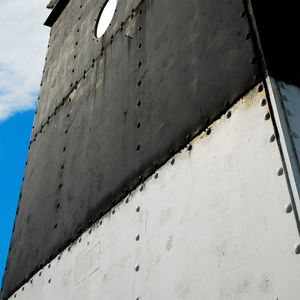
69 249
31 281
297 249
137 267
126 200
113 211
173 161
280 171
23 288
58 257
138 147
139 83
49 266
228 115
139 103
272 138
100 222
156 176
138 125
137 238
79 240
90 231
190 147
140 64
49 280
267 116
208 131
288 208
263 102
138 209
141 188
40 274
260 88
140 45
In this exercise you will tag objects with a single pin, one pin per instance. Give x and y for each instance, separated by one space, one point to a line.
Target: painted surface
112 110
209 224
285 101
290 96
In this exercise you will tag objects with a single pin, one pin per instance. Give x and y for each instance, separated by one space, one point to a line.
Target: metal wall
111 111
212 223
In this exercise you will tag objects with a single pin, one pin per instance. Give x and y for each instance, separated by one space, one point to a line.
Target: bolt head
280 172
297 248
267 116
272 138
288 208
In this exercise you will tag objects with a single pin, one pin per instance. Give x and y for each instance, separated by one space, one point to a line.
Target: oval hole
105 17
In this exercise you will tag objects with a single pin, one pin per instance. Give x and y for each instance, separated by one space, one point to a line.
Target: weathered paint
112 110
285 101
209 224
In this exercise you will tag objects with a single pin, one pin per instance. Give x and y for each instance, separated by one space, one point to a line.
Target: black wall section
278 27
111 111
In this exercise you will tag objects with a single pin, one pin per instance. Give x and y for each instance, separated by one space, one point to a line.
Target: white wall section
285 101
210 224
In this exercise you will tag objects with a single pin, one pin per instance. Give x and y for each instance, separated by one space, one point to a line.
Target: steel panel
285 103
209 224
290 96
123 119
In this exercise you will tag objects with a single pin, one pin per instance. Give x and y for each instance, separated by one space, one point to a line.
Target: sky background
23 48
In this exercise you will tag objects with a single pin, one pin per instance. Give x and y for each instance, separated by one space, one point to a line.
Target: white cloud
23 45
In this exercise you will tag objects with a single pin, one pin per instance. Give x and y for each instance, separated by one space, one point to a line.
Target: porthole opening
105 17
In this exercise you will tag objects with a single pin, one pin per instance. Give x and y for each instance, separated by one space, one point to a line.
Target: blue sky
14 141
22 51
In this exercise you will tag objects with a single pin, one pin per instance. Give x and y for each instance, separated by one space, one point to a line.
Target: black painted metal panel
169 70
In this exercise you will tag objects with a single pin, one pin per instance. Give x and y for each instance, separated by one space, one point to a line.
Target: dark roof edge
57 10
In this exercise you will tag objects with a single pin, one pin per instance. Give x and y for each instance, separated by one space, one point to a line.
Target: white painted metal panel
210 224
291 97
285 101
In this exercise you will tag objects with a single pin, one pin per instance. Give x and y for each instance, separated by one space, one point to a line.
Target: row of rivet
280 171
85 71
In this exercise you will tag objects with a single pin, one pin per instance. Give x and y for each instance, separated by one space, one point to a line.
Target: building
164 155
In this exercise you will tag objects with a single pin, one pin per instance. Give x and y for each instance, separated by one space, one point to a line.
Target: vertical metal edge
285 144
256 40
